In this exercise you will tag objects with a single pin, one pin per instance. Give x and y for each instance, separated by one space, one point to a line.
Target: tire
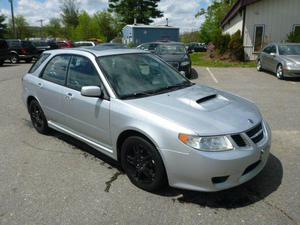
14 59
258 66
28 60
143 164
279 72
38 118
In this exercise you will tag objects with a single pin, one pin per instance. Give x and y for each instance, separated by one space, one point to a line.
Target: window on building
258 37
297 29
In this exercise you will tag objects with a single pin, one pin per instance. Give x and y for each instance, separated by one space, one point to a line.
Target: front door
88 116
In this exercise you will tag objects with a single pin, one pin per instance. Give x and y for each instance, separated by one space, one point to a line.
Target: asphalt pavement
55 179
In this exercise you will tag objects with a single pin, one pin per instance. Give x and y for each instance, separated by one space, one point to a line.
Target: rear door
50 87
88 116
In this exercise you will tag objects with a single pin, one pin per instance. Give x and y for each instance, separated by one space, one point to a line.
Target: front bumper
215 171
291 72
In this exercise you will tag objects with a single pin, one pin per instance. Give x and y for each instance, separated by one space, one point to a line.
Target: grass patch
201 59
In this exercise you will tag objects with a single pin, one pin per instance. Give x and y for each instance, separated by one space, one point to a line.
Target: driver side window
82 73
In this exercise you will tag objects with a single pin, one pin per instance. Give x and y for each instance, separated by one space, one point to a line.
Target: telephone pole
41 21
12 16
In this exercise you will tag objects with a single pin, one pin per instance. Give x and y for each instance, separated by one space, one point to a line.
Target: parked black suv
4 52
44 45
21 50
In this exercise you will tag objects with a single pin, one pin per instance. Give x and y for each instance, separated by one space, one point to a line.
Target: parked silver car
282 59
137 109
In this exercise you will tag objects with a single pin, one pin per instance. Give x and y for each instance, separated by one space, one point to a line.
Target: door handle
40 84
69 96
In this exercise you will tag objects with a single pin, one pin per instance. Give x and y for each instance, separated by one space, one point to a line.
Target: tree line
76 24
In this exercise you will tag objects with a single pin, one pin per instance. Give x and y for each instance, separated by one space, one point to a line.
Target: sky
179 12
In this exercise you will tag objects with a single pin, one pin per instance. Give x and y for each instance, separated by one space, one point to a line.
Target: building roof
151 26
240 4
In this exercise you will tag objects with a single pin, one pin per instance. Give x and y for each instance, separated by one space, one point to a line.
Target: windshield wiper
138 95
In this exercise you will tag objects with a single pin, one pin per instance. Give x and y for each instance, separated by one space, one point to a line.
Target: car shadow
295 79
194 74
8 65
246 194
86 149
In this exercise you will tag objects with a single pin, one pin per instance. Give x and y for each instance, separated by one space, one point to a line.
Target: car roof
97 53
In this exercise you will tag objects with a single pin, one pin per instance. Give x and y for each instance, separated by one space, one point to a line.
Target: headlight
291 64
185 63
209 144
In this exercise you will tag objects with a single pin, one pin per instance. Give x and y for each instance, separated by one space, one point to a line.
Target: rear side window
56 69
37 64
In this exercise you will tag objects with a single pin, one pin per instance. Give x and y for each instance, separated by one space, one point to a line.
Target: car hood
291 58
172 58
204 110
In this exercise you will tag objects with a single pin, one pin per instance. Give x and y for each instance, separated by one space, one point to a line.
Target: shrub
236 47
294 37
221 42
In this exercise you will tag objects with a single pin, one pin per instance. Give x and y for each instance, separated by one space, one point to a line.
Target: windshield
167 49
289 49
140 75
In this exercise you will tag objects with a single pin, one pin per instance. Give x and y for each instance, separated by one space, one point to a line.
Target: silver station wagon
137 109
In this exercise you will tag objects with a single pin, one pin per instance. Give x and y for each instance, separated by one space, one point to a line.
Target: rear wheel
279 72
38 118
143 164
14 58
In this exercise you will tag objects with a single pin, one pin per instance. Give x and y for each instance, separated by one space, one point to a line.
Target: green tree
22 27
190 37
3 26
70 13
108 25
215 13
144 11
54 28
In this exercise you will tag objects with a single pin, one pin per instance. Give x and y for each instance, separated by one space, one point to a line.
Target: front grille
238 140
256 134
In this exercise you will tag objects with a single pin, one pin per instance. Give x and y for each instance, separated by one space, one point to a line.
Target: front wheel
143 164
38 118
258 66
279 72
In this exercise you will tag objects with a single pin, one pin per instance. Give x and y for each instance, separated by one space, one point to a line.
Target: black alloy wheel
143 164
38 118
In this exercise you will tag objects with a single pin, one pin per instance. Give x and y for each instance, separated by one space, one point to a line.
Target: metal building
139 33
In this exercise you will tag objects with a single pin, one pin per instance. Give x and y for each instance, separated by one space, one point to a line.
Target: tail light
24 50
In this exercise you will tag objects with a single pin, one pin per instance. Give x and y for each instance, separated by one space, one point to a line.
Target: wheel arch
129 133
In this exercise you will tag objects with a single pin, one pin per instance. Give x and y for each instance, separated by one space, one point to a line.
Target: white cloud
180 13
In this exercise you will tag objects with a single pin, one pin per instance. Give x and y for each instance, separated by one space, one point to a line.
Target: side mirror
273 54
91 91
182 73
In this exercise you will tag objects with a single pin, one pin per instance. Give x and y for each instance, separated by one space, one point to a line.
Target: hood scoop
206 98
